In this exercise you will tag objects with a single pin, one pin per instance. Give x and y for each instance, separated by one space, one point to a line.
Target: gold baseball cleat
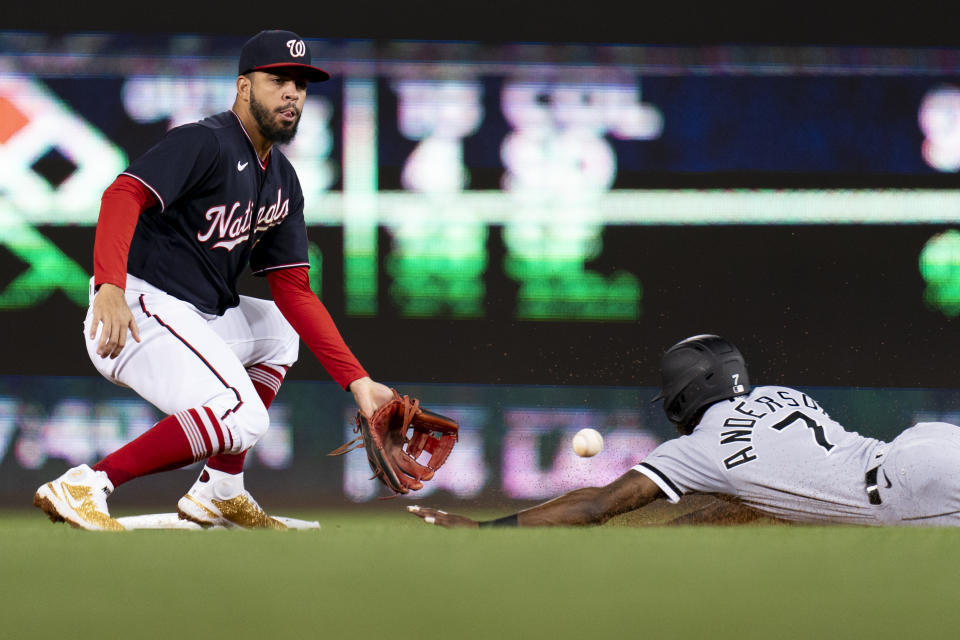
218 499
79 498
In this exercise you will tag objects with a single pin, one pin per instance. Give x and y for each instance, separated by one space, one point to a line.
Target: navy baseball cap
277 49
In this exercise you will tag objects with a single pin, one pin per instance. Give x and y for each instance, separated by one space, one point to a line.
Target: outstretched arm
588 506
311 320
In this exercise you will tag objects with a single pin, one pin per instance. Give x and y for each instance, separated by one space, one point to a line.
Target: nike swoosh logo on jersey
889 484
241 165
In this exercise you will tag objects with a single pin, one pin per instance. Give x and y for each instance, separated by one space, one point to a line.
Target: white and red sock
175 441
266 379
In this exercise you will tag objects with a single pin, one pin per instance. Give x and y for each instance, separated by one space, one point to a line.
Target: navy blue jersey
219 210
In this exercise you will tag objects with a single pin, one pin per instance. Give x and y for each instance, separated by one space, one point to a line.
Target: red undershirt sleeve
309 318
120 207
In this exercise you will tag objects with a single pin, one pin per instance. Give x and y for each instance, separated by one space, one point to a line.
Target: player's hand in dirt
442 518
110 308
369 395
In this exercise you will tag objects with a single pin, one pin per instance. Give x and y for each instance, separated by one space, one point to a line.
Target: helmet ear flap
673 410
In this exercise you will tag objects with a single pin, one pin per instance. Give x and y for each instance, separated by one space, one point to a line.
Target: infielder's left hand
442 518
369 395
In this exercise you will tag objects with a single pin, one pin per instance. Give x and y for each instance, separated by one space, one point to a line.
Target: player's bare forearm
111 310
592 505
582 507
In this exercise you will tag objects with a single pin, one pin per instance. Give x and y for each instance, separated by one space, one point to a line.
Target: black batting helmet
698 372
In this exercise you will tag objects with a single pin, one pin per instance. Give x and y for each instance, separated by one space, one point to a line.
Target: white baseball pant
919 477
187 359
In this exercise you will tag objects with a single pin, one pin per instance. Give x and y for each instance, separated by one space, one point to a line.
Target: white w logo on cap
297 48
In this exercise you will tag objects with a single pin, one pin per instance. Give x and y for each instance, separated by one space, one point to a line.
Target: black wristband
506 521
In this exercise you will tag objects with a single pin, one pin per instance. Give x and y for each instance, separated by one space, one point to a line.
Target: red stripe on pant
173 332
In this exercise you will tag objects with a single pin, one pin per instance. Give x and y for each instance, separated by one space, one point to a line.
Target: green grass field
387 575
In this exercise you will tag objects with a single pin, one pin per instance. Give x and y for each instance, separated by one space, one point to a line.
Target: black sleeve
184 158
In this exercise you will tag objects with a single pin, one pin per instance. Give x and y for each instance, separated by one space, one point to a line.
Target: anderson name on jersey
778 451
216 214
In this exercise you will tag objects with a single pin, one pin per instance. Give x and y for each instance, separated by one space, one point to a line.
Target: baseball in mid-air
587 442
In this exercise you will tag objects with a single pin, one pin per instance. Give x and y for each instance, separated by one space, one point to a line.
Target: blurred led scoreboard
460 195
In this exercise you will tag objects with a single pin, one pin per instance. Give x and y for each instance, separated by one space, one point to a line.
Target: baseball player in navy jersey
773 449
175 231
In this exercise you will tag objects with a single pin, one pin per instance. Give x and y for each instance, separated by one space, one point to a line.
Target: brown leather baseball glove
393 454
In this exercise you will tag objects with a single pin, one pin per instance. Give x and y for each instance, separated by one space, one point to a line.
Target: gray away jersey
778 452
